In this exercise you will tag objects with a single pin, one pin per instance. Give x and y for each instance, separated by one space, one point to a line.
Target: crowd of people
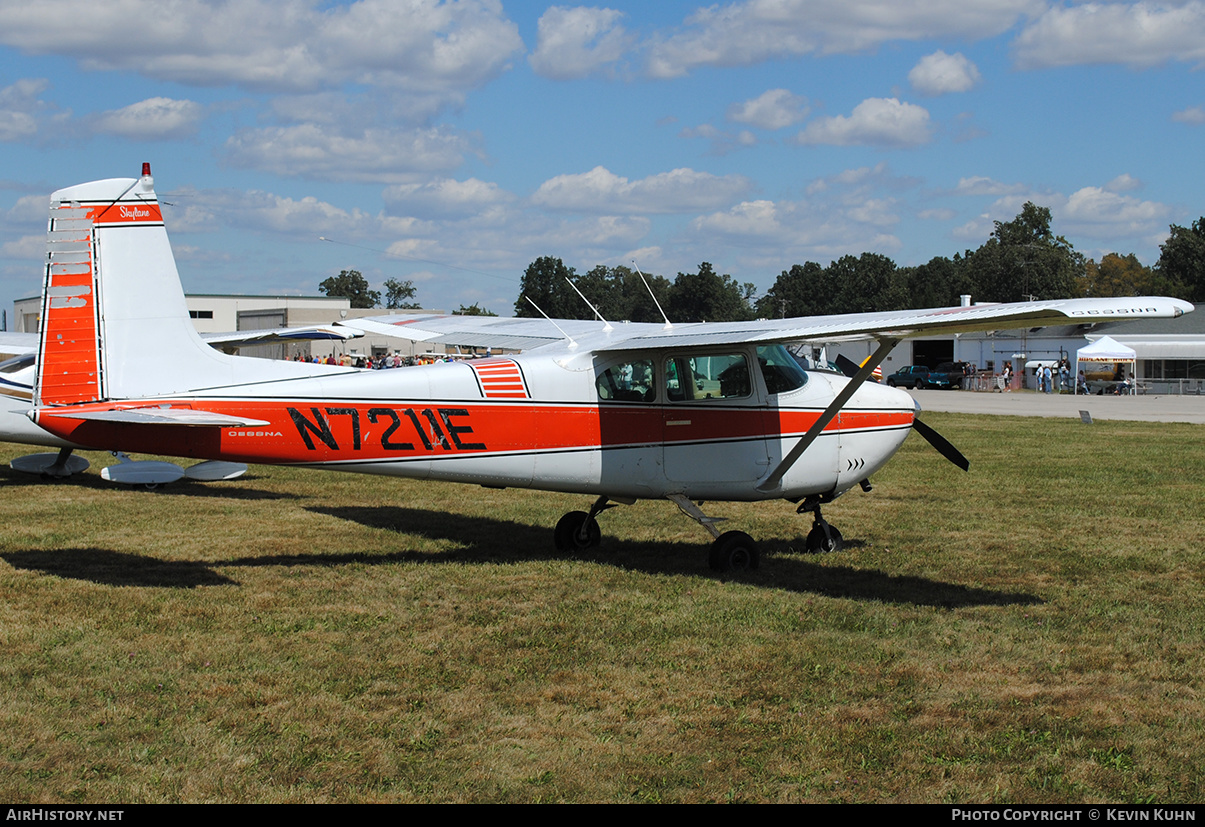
391 360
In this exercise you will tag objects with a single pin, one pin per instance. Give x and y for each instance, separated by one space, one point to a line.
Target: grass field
1033 631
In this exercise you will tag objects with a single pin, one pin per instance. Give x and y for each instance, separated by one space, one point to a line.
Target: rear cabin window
715 376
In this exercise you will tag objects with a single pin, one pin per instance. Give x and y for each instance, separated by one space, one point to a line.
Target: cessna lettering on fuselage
680 412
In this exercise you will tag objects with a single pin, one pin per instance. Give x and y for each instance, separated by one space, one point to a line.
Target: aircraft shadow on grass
181 488
483 540
486 540
106 567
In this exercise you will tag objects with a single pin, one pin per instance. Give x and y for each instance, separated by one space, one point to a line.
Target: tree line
1021 260
399 295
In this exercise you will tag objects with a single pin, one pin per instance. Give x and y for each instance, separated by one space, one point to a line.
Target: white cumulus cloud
1135 34
1097 213
982 185
21 108
874 122
753 31
279 45
800 229
208 209
602 191
385 155
573 43
1193 115
773 109
940 74
1123 183
151 119
445 197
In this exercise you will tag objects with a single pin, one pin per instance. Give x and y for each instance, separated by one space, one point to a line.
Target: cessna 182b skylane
684 412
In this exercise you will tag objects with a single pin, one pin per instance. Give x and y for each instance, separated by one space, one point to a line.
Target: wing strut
834 408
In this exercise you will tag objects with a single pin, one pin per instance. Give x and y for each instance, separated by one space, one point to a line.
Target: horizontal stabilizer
215 470
157 416
142 472
45 464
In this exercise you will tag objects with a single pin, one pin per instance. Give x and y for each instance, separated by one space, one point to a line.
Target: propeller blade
943 445
848 366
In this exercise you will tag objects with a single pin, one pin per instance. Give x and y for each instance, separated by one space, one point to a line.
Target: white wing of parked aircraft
685 413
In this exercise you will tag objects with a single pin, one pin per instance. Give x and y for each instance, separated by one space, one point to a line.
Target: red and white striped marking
500 379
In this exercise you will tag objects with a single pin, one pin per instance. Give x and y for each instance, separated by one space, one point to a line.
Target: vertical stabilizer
115 323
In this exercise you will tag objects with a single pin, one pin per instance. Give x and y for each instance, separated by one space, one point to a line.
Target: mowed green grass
1033 631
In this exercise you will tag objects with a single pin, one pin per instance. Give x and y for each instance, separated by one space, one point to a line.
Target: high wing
532 334
475 331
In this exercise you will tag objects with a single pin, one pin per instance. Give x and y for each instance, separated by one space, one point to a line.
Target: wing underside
530 334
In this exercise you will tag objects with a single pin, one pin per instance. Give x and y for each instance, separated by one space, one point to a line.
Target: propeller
944 447
848 366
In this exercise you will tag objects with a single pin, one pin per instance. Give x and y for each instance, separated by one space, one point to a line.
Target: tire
567 536
817 543
734 551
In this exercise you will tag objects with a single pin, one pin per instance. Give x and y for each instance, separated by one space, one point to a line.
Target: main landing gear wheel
820 543
734 551
576 531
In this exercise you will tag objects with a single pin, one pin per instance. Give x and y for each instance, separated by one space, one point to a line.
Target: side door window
627 382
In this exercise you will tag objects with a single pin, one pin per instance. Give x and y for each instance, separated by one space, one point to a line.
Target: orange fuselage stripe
320 431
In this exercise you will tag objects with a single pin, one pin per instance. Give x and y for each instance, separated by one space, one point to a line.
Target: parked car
951 375
920 376
909 376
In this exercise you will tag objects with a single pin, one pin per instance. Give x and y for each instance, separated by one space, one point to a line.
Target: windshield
780 370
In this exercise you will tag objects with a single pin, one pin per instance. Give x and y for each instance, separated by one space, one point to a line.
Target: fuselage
638 425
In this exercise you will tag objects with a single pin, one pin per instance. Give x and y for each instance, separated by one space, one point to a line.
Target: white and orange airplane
682 412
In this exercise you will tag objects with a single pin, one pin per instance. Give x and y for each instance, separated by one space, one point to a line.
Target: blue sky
453 143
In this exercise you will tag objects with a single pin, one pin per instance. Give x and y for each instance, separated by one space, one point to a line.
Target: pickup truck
947 376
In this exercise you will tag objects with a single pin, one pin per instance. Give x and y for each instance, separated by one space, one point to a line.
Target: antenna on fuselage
668 325
606 324
554 324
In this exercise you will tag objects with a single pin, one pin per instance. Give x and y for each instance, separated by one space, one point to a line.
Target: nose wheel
823 538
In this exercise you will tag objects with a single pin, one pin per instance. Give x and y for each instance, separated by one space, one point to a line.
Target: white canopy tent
1107 350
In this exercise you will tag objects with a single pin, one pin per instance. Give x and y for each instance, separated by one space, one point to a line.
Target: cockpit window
780 370
628 382
715 376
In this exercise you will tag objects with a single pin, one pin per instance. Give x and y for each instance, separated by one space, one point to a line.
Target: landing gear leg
578 531
732 550
823 538
60 468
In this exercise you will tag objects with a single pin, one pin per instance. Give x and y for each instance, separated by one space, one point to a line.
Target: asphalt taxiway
1030 403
